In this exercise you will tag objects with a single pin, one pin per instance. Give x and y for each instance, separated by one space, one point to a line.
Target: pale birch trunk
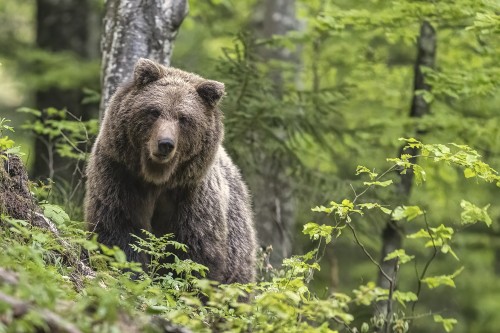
135 29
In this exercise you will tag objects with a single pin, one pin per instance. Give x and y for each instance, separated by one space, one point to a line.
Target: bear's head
164 125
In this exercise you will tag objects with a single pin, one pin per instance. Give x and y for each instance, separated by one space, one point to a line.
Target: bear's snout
165 147
163 142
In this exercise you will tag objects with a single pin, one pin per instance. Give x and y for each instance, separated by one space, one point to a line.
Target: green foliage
406 212
157 250
438 238
62 70
62 132
318 231
448 323
56 214
460 155
6 144
258 109
447 280
343 103
401 255
472 214
282 301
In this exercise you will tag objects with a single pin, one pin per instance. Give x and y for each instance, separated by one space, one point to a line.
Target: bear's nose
165 146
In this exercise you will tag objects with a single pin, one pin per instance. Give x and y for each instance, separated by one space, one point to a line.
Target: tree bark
392 234
272 188
135 29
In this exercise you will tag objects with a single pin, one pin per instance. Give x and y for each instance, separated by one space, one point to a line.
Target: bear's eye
153 113
184 119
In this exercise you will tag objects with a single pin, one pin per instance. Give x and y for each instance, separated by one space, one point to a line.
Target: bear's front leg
203 228
118 205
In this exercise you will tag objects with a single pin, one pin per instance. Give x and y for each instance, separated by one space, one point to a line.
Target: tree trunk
135 29
392 234
272 189
62 25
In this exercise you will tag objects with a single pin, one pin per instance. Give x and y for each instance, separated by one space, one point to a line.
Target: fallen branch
21 308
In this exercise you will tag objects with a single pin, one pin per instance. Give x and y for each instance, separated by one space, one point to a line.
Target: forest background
314 89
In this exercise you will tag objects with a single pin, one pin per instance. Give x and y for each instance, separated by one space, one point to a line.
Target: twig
427 264
357 196
338 321
68 140
368 254
390 296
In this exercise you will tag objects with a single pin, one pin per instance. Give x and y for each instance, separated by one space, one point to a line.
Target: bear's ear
147 71
210 91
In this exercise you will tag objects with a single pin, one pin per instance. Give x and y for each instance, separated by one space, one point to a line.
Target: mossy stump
16 200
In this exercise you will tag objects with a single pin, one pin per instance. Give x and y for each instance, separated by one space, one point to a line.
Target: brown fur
194 191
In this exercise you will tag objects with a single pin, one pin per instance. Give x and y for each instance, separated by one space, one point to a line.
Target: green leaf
366 294
400 254
447 280
419 234
6 143
370 205
448 323
436 281
362 169
377 183
385 210
406 212
412 142
469 173
34 112
405 297
446 248
472 214
156 309
342 210
439 237
322 209
442 232
347 203
55 213
420 175
316 231
14 151
426 95
119 255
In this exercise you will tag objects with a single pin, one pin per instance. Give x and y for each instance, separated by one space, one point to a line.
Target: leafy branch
439 237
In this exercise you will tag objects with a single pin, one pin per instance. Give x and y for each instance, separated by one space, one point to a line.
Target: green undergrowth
120 296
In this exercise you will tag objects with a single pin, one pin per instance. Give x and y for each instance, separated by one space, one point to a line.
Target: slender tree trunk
62 25
272 189
135 29
392 234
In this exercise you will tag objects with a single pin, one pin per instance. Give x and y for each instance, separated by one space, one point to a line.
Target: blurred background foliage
324 89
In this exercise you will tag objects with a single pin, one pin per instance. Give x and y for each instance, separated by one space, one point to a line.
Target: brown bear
158 164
